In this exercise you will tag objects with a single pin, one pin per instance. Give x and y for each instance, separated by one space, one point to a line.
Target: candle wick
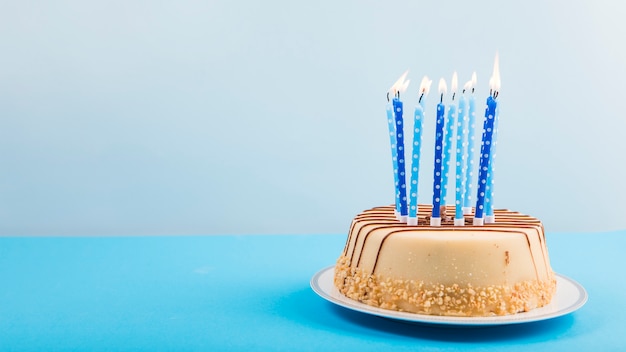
463 90
441 98
472 90
420 99
387 96
398 95
453 95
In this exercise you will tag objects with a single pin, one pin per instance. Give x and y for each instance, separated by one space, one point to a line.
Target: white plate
569 297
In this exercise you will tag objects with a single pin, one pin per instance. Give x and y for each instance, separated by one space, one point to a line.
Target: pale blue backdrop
201 117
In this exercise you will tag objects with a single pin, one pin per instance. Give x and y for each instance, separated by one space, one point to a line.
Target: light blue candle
469 152
447 151
435 219
487 143
417 146
394 123
394 153
415 163
459 220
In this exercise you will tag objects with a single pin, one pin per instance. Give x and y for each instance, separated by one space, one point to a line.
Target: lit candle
447 143
399 85
469 167
485 149
435 219
490 216
417 146
398 111
394 154
461 122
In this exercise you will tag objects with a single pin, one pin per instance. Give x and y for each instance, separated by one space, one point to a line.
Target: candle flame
443 87
494 81
425 85
401 84
455 82
471 83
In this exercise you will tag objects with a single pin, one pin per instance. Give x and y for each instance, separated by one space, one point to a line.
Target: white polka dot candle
490 216
400 84
435 219
469 151
461 121
416 152
487 141
447 141
398 111
394 154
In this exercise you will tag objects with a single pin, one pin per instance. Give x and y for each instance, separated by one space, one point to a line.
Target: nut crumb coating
438 299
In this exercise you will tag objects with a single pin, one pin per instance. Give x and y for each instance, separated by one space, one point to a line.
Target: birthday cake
416 258
495 269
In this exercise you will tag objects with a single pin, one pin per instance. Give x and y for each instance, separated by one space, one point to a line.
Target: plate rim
520 318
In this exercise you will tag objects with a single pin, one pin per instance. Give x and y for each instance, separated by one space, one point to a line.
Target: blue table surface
252 293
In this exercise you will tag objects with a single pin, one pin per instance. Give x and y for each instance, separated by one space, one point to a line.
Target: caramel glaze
384 218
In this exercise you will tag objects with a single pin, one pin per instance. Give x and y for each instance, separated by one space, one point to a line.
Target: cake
495 269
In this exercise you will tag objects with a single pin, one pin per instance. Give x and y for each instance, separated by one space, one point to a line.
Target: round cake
495 269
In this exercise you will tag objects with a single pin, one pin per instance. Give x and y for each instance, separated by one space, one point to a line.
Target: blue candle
461 123
490 217
447 141
487 143
398 110
469 152
417 142
435 219
417 146
397 86
394 153
494 83
485 152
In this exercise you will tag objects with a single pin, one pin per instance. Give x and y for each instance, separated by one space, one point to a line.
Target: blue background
150 117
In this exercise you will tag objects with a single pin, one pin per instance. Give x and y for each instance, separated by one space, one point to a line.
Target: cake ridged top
372 230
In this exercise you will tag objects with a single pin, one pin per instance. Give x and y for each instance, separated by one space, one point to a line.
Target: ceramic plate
569 297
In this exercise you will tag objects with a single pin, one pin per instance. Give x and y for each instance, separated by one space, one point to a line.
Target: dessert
495 269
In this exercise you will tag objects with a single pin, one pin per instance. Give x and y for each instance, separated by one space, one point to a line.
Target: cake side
501 268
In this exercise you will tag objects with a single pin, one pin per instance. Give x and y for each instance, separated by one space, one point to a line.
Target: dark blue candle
435 219
485 156
398 87
489 213
398 110
486 147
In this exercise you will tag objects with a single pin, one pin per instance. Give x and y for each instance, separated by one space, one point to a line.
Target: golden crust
438 299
